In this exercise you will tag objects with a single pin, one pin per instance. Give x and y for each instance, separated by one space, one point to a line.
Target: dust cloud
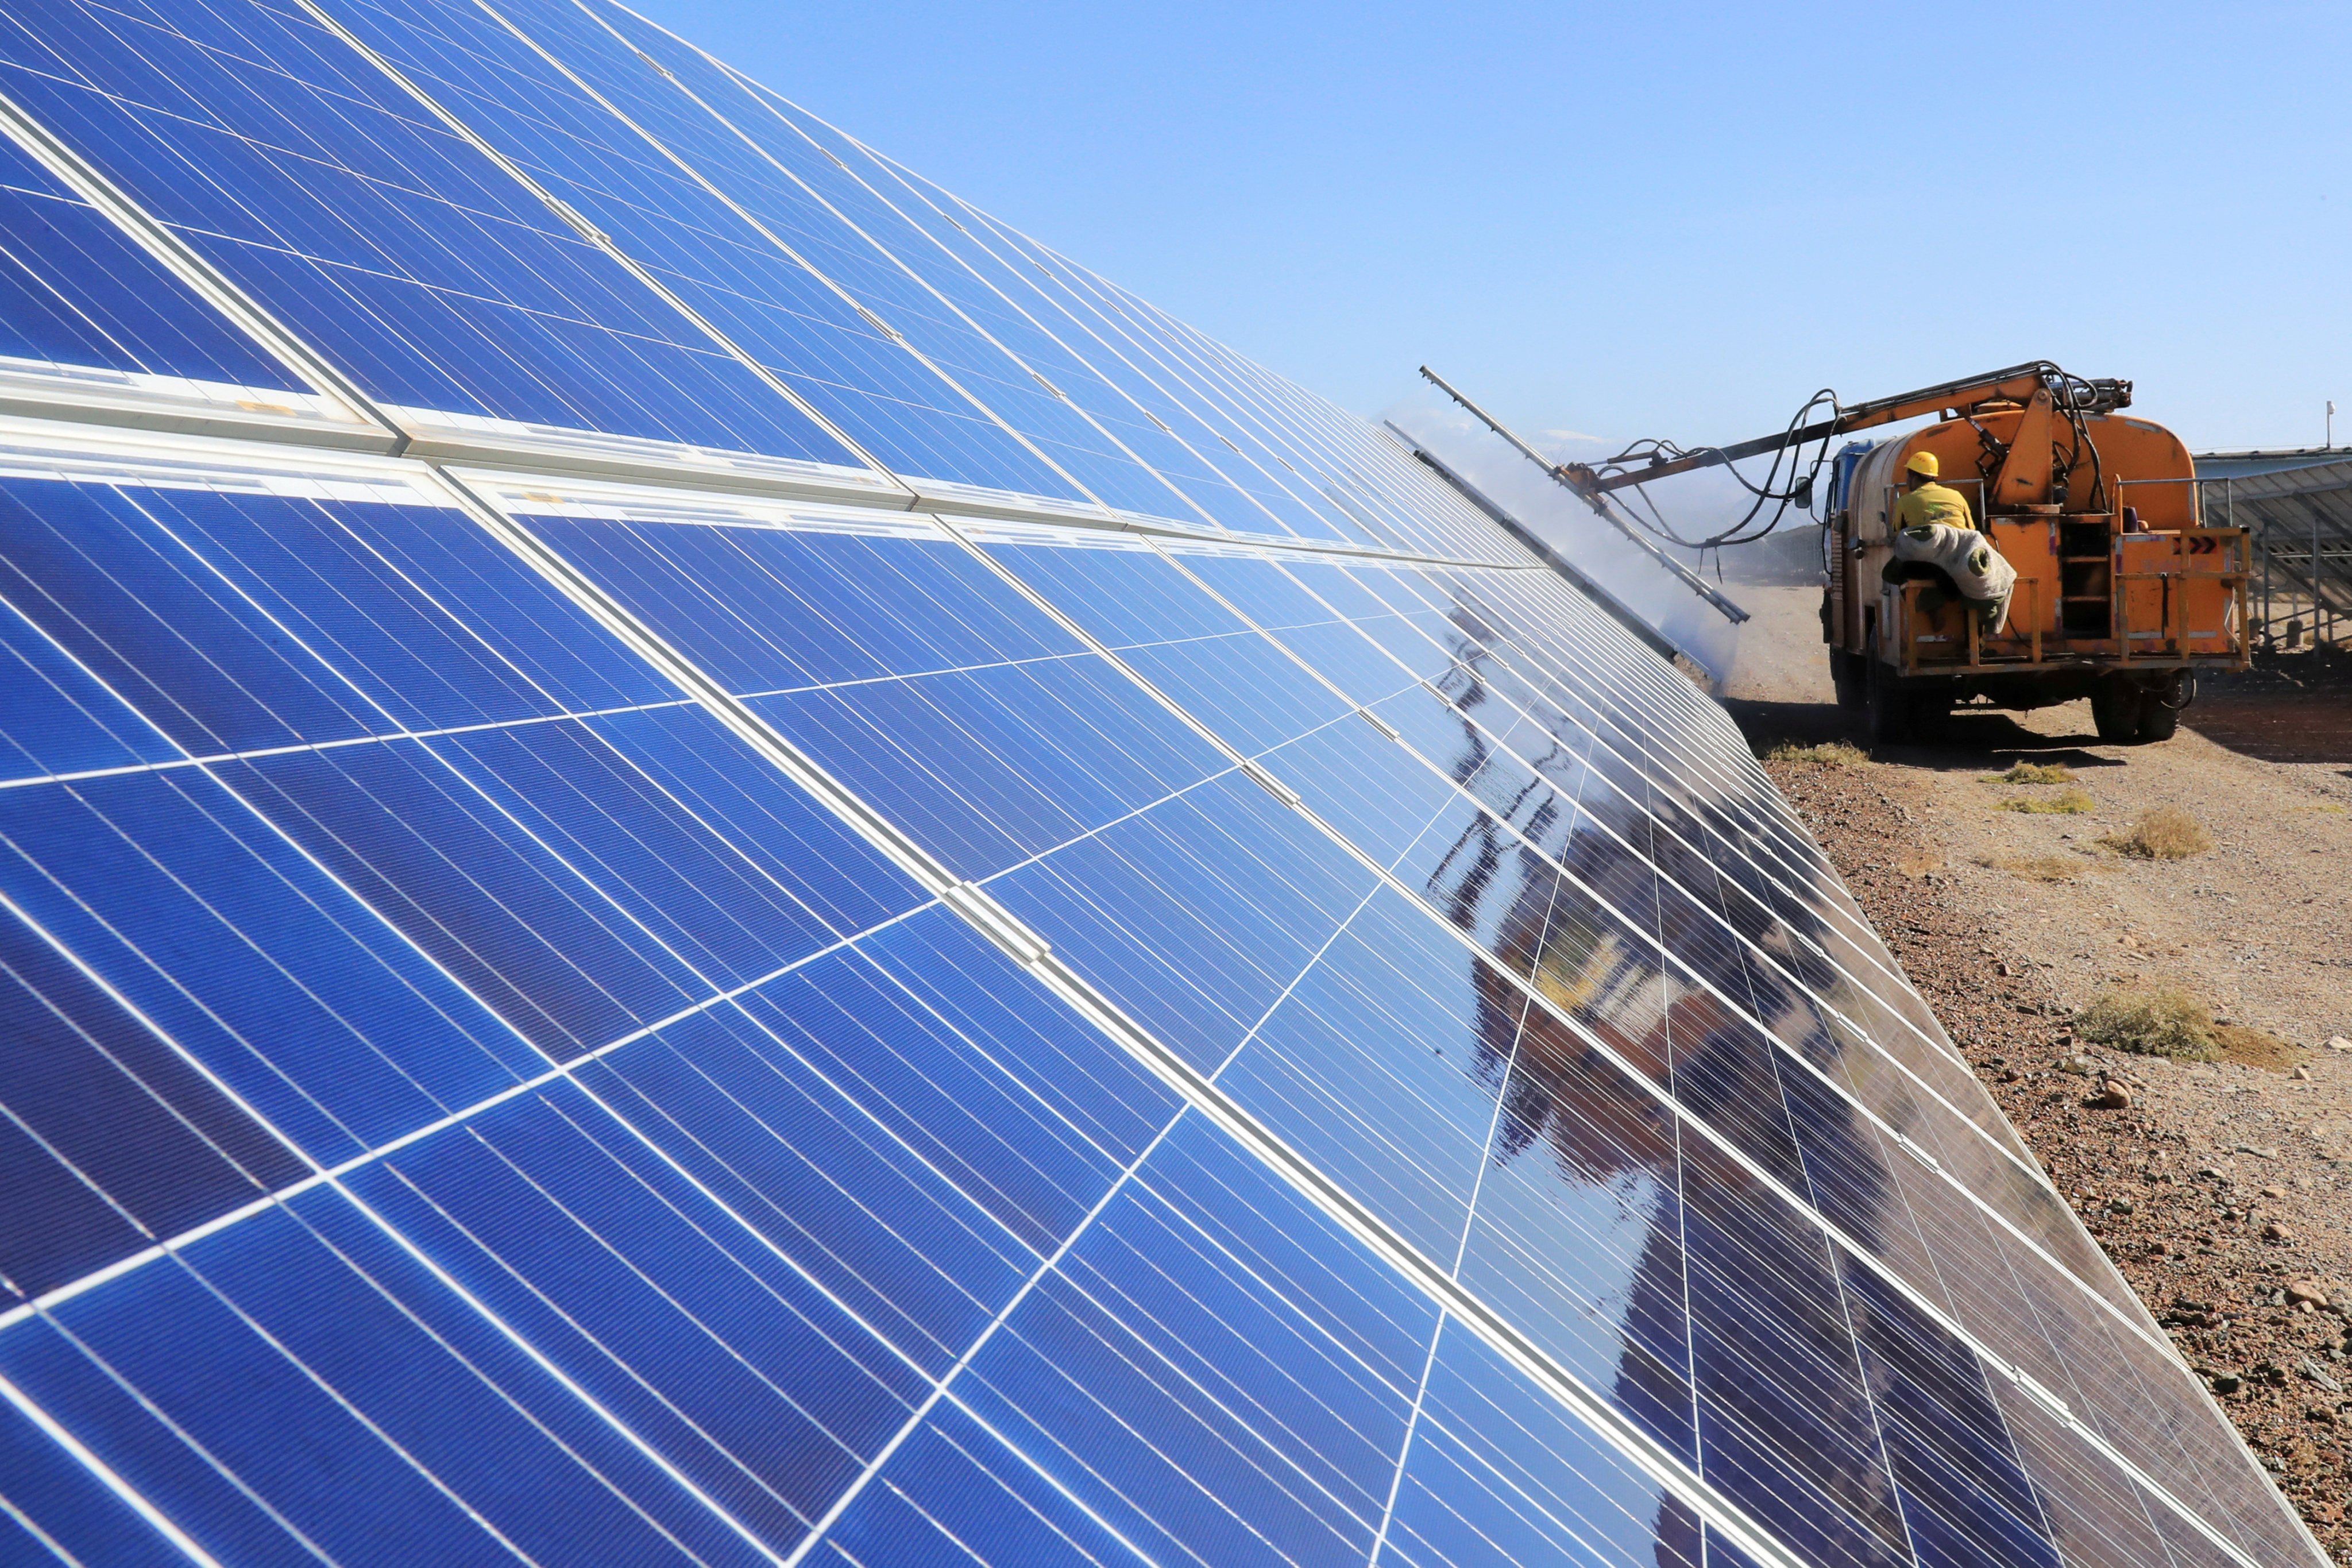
1695 504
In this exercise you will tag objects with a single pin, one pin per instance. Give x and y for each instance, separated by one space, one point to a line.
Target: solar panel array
703 860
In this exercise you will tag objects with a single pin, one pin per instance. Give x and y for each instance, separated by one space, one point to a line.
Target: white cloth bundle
1968 559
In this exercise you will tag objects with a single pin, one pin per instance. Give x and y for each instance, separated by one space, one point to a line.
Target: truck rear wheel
1890 705
2116 711
1851 678
1931 712
2159 711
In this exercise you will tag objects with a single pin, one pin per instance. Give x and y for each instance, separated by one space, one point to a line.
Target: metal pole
2230 519
2230 499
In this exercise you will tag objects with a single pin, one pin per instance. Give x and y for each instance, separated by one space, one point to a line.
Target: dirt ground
2223 1190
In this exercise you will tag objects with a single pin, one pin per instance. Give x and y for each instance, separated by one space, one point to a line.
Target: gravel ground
2222 1190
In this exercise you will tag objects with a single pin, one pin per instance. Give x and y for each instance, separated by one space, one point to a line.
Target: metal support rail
1648 635
2302 539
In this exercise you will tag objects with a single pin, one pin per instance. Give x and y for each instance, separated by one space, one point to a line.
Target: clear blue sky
1629 220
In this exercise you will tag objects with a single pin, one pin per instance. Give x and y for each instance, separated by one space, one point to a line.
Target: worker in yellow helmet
1935 537
1925 500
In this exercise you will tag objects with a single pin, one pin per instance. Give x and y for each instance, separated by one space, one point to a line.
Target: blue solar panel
407 257
773 195
1234 450
558 1016
710 255
77 294
775 167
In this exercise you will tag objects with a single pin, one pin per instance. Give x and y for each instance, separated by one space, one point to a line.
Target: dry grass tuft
2257 1047
2034 773
2164 1023
2038 868
2167 832
1828 754
2065 803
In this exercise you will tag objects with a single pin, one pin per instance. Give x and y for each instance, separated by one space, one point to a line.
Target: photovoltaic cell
780 158
557 1018
255 965
1233 449
346 208
162 1149
77 294
766 301
769 173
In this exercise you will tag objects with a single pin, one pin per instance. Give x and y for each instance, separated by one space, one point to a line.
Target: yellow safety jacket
1930 504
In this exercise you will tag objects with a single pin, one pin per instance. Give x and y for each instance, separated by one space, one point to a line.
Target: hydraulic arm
1660 460
2018 385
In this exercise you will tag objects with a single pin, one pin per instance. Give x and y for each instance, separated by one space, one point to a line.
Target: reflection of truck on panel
2121 596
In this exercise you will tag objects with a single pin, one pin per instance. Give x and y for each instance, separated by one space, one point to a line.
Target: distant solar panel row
701 860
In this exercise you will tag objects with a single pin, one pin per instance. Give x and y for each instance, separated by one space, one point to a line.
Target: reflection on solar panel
702 860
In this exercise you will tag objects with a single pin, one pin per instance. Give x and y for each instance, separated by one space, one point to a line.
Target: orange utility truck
2122 593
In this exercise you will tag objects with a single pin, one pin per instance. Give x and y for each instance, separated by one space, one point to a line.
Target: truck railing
2021 645
2030 587
1891 494
2228 544
2194 486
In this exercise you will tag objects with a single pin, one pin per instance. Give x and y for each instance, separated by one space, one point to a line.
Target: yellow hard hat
1924 463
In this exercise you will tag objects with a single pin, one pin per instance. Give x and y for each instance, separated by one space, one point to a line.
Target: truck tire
2115 713
2157 723
1890 705
1931 712
2159 711
1850 678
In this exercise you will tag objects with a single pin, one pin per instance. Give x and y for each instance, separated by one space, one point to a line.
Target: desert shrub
2167 832
2164 1023
1828 754
2034 774
2065 803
